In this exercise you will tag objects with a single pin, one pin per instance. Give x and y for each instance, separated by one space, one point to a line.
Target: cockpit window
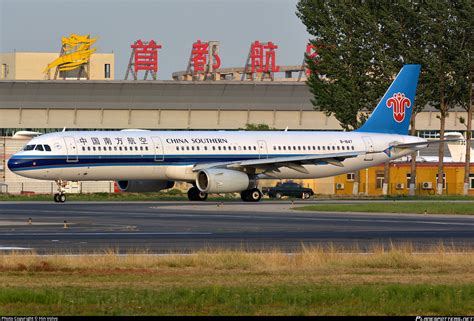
28 147
47 148
40 148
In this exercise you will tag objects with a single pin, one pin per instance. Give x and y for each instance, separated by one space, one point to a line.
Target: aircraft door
262 149
369 147
158 149
71 149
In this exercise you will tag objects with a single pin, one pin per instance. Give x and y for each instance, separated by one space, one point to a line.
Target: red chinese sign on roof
146 55
263 57
199 56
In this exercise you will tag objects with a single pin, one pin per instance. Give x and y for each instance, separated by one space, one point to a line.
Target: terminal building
29 101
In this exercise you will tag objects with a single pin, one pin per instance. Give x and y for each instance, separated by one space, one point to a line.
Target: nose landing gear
60 197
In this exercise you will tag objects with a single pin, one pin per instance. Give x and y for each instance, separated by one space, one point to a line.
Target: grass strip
394 299
395 207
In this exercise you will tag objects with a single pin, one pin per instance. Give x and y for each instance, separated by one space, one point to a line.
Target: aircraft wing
294 162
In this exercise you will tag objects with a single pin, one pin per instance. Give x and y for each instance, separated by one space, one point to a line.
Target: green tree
257 127
447 29
361 44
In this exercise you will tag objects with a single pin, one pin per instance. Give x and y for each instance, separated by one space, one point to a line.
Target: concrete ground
163 227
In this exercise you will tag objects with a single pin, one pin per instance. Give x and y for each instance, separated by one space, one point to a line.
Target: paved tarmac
163 227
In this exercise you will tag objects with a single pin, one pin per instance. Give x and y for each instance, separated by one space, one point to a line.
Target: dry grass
402 258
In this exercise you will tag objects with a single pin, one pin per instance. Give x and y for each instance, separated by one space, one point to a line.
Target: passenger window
223 147
93 148
98 148
294 147
197 147
304 147
245 147
89 148
115 148
218 147
141 148
187 147
337 147
205 147
352 147
40 148
146 147
83 148
213 147
136 147
110 148
192 147
47 148
120 148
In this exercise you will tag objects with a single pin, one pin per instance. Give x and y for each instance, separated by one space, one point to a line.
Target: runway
163 227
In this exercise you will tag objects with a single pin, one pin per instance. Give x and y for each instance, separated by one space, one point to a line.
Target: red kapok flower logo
399 102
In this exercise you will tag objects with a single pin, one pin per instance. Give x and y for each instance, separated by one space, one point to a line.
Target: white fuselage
172 155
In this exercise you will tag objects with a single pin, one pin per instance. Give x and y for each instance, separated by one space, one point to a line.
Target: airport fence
51 187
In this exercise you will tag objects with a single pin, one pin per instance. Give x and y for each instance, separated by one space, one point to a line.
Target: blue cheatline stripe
32 162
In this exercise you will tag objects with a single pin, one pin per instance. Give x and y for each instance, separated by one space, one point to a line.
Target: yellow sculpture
75 52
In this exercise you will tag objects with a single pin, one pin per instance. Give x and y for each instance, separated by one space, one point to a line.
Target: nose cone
11 163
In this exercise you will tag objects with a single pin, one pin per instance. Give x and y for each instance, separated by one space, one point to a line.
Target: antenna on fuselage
64 129
286 129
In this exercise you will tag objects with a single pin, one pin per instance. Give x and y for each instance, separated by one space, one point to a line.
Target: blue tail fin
392 114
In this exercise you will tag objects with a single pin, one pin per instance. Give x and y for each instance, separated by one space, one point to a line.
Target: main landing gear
194 194
60 197
251 195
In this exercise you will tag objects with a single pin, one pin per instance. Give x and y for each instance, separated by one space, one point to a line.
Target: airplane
223 161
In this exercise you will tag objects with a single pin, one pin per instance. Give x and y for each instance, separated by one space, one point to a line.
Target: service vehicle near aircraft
290 189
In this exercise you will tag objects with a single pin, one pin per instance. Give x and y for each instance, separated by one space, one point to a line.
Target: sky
33 25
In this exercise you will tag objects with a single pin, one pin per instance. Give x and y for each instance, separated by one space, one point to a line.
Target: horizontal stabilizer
427 143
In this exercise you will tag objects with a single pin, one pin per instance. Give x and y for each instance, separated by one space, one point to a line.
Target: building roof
166 94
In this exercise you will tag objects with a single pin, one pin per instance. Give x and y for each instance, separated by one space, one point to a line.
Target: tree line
361 46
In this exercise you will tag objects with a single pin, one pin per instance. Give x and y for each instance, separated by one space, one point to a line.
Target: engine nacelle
217 180
144 186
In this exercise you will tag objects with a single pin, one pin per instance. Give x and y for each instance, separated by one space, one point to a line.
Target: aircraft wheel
194 194
305 195
251 195
255 195
56 198
62 198
201 196
278 196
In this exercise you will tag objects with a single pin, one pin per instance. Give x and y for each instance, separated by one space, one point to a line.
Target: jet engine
143 186
217 180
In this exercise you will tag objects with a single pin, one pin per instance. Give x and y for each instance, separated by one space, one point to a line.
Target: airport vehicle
288 189
223 161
